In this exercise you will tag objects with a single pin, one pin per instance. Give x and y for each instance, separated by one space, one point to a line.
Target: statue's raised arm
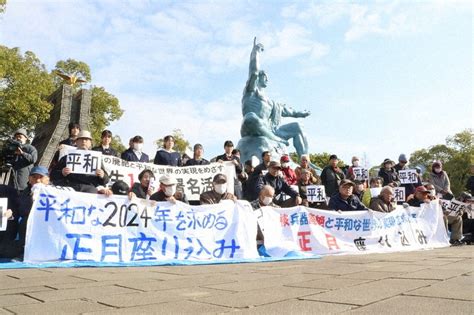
254 66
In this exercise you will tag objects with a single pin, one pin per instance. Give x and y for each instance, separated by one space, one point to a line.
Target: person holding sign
168 191
218 193
345 200
384 202
389 174
410 182
63 175
304 184
143 188
350 171
273 179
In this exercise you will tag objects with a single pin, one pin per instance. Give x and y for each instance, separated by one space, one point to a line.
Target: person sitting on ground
440 179
331 176
120 188
62 175
168 192
303 182
375 182
218 193
143 188
288 174
198 156
421 196
104 146
166 155
383 202
265 198
135 152
274 179
304 165
345 200
389 174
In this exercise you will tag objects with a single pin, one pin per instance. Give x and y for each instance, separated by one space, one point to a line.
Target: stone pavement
422 282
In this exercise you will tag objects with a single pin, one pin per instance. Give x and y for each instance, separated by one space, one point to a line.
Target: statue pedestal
249 146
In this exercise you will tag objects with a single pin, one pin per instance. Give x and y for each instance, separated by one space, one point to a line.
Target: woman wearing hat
388 173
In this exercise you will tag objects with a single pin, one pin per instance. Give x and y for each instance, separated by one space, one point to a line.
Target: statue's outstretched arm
290 112
254 65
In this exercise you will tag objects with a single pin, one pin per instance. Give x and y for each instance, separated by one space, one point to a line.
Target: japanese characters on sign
360 173
408 176
84 161
316 193
399 194
456 208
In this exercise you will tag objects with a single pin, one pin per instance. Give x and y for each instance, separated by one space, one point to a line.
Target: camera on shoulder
8 151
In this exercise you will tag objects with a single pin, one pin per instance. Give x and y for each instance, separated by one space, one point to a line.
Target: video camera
7 154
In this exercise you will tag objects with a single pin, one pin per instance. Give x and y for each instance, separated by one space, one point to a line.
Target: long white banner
312 231
67 225
192 180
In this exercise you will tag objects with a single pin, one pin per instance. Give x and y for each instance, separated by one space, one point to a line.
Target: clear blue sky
380 78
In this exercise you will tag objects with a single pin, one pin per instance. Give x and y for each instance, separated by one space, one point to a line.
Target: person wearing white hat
25 157
167 191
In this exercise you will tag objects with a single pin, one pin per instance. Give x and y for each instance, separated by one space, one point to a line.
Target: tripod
6 174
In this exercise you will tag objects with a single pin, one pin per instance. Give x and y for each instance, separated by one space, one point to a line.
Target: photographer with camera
19 158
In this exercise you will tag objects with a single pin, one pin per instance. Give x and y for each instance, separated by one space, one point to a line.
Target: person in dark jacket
104 146
135 152
273 179
167 191
62 175
144 187
388 173
331 176
228 156
402 165
218 193
262 167
166 155
25 158
344 199
74 129
197 158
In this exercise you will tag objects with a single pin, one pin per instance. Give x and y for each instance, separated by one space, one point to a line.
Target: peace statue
261 129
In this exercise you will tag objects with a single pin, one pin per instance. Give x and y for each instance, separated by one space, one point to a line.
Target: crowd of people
275 182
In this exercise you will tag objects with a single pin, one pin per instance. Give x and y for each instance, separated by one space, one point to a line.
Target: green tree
456 155
24 86
3 5
180 143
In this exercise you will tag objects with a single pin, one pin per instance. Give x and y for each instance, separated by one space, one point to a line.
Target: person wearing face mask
274 179
166 155
219 192
25 157
350 171
142 189
62 175
288 174
265 198
135 152
440 180
384 202
167 191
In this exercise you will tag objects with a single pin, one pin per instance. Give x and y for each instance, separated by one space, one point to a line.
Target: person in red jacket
288 173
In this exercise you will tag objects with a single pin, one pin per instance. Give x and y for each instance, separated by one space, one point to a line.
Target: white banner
360 173
84 161
399 194
66 225
3 214
316 193
456 208
408 176
306 230
192 180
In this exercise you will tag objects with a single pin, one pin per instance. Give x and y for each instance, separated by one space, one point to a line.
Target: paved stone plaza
422 282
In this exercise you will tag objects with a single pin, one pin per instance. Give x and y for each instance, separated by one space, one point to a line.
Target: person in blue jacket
166 155
344 199
135 152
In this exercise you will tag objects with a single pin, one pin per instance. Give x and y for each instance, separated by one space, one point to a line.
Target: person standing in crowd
104 146
25 157
198 156
344 199
228 156
304 165
383 202
167 191
266 158
166 155
143 189
273 179
440 179
350 171
135 152
402 165
389 174
219 192
74 129
62 175
288 174
331 176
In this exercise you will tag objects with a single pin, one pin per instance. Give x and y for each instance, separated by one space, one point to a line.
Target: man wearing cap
63 175
384 201
197 158
288 174
167 191
273 179
345 200
104 146
331 176
166 155
218 193
25 158
389 174
228 156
